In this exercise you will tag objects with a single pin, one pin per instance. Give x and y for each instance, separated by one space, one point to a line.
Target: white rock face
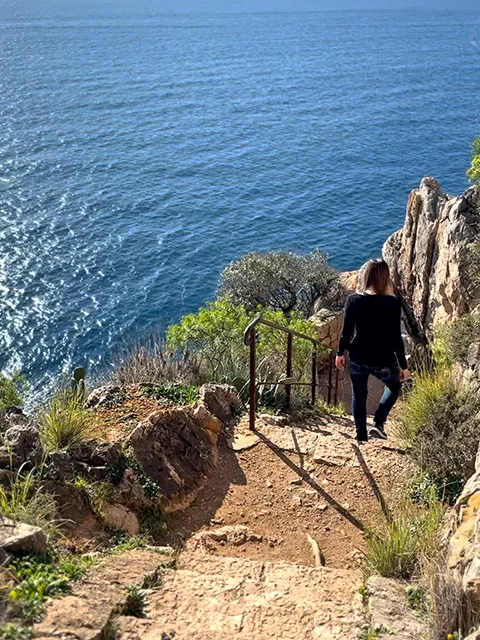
429 257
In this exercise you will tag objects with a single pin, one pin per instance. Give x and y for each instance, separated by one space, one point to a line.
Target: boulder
205 419
176 453
222 400
120 517
58 467
97 453
103 396
429 257
21 444
17 537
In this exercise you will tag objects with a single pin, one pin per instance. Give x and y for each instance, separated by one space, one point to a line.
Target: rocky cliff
430 257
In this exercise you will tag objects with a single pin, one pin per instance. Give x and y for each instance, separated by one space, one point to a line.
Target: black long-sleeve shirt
372 331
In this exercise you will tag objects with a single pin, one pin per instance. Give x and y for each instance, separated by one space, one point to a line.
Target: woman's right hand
340 362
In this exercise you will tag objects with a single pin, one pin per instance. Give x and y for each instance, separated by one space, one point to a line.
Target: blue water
141 153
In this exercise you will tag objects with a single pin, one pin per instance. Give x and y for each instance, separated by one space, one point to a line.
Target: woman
372 335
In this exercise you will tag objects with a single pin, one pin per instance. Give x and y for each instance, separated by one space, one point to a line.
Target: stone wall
329 321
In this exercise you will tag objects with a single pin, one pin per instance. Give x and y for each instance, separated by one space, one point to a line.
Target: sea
141 152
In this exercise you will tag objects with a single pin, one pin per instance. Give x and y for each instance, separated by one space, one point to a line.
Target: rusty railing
250 339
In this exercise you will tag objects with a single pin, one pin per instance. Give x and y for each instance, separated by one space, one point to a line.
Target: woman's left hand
405 374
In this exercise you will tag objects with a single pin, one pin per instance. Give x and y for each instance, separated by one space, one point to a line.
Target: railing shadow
310 481
372 482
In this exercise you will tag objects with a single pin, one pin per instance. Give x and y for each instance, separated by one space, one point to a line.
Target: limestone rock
329 325
120 517
222 401
389 609
218 597
130 492
204 418
21 445
102 396
429 256
176 453
235 535
17 537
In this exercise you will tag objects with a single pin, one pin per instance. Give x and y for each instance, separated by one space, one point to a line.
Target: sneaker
361 441
378 431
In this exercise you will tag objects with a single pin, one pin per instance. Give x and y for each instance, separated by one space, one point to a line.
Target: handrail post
335 396
330 371
253 377
314 377
288 388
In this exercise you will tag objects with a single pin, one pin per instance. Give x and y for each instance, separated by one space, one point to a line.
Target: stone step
88 612
220 598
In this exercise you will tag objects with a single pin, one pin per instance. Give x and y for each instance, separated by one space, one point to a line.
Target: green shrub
421 401
128 460
452 341
64 422
35 582
215 335
281 281
422 484
178 394
409 538
152 521
15 631
446 444
372 633
26 500
74 567
417 598
474 171
12 391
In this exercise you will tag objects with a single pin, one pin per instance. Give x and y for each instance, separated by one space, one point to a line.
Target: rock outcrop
160 467
176 453
429 257
464 544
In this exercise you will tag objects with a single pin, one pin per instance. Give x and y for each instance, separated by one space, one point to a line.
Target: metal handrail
275 325
249 339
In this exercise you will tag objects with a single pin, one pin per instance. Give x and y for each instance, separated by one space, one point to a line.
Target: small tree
282 281
474 171
12 391
474 248
215 336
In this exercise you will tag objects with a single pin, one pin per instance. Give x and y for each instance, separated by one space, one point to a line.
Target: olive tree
282 281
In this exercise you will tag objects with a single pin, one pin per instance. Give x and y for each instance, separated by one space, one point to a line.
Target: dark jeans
360 373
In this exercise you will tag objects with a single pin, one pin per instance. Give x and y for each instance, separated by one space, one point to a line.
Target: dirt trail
247 569
292 481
